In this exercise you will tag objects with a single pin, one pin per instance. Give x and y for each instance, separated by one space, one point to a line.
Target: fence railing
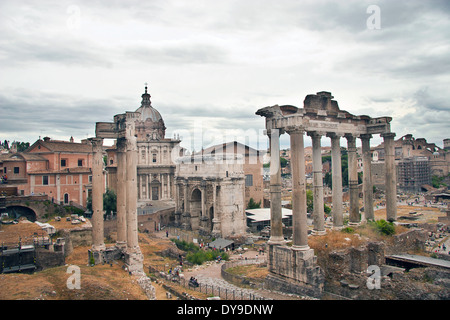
208 289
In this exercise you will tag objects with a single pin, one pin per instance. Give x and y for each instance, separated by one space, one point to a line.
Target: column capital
97 143
388 135
365 136
121 145
334 135
315 134
295 129
131 144
350 136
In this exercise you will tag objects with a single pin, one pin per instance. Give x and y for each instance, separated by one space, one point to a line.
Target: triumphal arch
295 267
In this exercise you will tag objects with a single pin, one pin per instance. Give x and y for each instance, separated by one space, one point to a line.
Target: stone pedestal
134 260
294 271
105 255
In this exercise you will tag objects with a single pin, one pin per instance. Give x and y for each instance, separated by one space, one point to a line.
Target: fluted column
299 218
318 214
367 177
98 243
391 179
338 217
121 191
353 179
276 236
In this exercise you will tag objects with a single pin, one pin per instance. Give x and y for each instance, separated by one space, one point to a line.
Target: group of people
193 282
4 179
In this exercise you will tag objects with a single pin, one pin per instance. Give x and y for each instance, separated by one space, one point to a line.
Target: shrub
201 256
348 230
185 246
383 227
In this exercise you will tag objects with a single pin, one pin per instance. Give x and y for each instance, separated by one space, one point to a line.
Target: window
154 157
80 162
63 162
249 180
45 180
16 169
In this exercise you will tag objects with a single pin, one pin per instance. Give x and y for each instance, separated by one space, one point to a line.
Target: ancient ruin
210 197
295 267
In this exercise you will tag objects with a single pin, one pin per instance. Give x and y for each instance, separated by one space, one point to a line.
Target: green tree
310 203
437 181
22 146
109 202
252 204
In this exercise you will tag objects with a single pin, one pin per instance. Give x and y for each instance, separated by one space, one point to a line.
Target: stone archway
16 212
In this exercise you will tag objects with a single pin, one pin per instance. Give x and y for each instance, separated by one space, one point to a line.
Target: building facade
210 194
62 170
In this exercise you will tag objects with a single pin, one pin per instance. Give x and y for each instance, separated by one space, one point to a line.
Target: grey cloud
28 112
177 53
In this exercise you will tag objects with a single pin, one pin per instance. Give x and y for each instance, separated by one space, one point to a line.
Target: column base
276 241
354 224
100 247
318 232
106 255
121 245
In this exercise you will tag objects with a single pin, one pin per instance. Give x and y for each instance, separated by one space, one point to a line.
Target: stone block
358 260
376 253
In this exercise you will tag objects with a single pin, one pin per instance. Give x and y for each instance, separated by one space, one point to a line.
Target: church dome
146 110
150 125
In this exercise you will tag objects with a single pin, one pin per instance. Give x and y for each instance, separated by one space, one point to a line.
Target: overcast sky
65 65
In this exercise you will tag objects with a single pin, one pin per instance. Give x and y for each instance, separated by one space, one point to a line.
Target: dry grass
109 282
430 215
251 271
24 230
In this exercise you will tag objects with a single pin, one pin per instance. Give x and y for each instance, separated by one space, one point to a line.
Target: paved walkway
210 274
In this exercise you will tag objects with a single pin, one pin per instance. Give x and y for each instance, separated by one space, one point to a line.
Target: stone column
353 180
98 243
121 190
338 217
276 234
131 199
367 177
186 221
300 225
318 215
391 179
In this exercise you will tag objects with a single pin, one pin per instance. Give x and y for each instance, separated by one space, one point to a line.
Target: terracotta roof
63 146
